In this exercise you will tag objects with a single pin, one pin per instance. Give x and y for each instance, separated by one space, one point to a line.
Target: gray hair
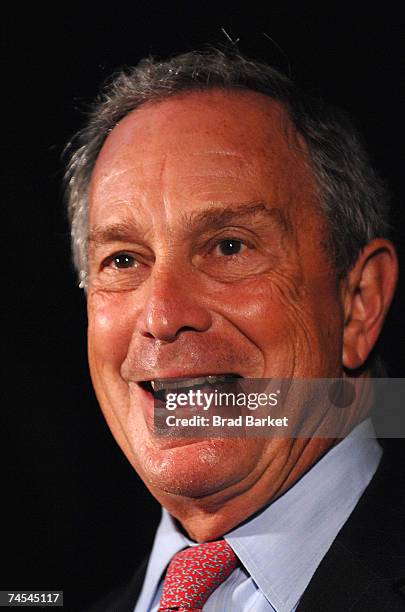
353 198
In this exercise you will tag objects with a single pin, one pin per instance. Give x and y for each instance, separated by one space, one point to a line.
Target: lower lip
148 407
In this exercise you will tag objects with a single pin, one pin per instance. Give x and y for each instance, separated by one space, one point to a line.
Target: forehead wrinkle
220 152
116 161
165 198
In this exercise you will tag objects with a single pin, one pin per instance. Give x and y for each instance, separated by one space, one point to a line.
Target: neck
212 516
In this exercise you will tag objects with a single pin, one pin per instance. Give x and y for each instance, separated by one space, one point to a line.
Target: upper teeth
173 383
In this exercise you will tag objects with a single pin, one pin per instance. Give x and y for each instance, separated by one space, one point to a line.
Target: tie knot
194 573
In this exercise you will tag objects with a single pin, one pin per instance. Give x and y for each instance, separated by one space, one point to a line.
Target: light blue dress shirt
282 546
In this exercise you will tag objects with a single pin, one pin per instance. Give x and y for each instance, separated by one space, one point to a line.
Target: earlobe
368 292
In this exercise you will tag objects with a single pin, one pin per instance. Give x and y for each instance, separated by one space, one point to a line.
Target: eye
230 246
123 260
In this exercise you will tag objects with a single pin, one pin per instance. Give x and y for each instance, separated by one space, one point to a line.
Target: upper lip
159 384
183 377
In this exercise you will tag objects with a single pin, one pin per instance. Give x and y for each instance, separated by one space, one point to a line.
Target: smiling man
224 224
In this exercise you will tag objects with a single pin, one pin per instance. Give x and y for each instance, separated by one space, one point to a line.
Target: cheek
293 327
259 310
111 322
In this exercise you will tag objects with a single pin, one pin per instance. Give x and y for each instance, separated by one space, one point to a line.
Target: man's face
206 257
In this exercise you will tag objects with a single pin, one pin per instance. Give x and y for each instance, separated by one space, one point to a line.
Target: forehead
203 145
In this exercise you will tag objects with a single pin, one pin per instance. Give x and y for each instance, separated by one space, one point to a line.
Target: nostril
147 334
186 328
165 336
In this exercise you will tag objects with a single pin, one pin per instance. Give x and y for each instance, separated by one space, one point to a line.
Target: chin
196 468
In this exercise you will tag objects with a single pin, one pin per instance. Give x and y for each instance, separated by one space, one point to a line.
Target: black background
75 516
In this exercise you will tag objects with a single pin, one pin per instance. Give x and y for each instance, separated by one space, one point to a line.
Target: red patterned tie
194 573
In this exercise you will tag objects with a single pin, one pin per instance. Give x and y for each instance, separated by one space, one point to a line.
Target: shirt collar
282 546
168 541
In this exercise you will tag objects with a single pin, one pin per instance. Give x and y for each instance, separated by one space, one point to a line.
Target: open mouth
160 386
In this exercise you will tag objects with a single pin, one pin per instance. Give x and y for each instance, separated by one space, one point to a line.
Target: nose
173 305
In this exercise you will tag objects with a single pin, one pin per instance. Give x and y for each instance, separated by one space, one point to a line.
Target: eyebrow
122 231
216 217
213 217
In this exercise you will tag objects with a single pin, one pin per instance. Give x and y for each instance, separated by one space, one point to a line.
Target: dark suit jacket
364 569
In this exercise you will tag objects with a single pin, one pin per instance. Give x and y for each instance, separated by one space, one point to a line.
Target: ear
368 291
